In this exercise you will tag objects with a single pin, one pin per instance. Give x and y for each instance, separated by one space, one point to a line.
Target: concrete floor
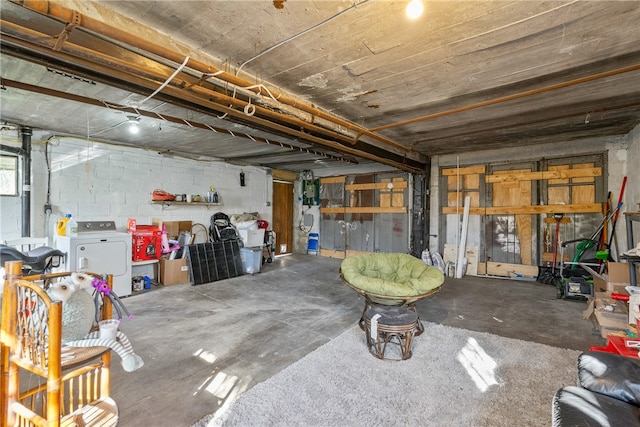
203 345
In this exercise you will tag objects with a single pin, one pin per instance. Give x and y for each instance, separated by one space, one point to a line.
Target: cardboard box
173 227
174 271
611 322
611 305
252 238
609 315
147 243
618 274
616 279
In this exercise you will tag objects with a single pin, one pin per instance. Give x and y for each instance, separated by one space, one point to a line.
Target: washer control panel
96 226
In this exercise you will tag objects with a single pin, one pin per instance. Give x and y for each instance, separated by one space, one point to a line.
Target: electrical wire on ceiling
205 126
249 109
159 53
131 120
166 82
295 36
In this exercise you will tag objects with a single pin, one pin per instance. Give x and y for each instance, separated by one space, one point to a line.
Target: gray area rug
454 378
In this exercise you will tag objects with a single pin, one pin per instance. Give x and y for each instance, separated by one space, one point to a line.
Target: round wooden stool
385 325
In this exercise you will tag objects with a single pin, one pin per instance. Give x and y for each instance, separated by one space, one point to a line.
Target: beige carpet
454 378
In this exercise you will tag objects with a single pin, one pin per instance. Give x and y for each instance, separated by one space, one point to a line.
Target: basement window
8 175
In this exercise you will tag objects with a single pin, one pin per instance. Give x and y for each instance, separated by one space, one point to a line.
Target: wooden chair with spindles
44 383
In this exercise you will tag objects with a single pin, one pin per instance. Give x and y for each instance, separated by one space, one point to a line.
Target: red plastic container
147 243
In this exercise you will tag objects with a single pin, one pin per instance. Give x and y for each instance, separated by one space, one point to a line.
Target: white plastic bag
426 257
438 262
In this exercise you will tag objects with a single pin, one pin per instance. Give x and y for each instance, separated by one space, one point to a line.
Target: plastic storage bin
251 259
313 245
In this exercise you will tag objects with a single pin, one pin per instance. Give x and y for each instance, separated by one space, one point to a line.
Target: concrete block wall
95 181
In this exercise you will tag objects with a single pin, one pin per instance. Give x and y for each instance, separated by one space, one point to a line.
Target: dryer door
109 257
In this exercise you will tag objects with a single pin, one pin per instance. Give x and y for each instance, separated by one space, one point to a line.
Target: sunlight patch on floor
221 385
478 364
232 391
226 388
206 356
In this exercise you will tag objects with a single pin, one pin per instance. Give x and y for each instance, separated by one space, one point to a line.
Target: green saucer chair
391 279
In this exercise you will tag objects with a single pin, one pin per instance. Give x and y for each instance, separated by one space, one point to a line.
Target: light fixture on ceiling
414 9
133 122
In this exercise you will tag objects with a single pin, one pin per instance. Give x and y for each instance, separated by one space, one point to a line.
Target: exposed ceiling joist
366 86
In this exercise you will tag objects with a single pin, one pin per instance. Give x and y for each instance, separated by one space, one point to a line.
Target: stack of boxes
611 315
173 271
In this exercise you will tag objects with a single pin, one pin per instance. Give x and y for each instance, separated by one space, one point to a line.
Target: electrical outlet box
308 220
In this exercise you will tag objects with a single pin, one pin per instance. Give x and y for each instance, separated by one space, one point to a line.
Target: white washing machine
99 248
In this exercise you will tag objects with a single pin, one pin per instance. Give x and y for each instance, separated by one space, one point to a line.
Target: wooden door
283 216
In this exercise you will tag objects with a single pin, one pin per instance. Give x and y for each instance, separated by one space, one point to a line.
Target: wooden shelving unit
171 202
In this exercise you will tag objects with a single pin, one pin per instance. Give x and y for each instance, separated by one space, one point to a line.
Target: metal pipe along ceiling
60 12
168 118
26 181
194 97
14 34
512 97
395 162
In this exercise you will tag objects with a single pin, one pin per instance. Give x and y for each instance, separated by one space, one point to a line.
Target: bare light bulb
414 9
133 124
